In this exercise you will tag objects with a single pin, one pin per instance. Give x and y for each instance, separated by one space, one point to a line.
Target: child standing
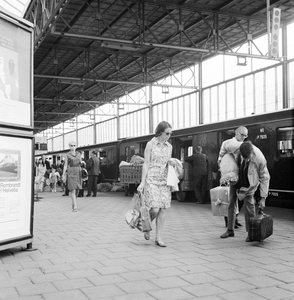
54 178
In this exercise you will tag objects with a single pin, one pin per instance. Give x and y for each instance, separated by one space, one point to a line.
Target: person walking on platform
93 168
232 146
153 186
74 173
253 173
199 161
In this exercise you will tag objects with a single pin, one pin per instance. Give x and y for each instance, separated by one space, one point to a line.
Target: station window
285 141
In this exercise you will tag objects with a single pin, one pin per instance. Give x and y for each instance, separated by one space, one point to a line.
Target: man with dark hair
232 146
199 161
253 173
93 168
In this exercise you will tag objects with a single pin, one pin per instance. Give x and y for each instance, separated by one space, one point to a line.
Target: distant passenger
199 161
253 174
74 173
232 146
54 178
93 168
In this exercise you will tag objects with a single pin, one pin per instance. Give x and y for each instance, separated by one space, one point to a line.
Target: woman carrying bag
157 195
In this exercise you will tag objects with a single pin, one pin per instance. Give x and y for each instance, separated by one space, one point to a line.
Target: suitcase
260 227
220 200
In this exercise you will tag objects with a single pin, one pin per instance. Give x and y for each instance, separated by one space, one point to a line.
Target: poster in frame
16 72
16 189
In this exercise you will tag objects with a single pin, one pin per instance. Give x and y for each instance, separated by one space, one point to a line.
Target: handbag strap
141 195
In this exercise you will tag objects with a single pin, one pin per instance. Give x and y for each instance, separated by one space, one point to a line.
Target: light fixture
241 61
92 117
165 90
119 46
71 81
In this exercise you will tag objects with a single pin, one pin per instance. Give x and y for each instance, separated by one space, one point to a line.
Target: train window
102 154
285 141
190 150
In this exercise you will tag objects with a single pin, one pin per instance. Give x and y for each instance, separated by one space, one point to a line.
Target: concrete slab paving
93 254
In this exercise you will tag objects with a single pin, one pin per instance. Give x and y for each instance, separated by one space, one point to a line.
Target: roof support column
117 122
77 136
150 110
200 93
63 136
94 128
285 68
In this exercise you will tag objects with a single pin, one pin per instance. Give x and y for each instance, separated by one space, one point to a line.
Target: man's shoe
238 223
235 226
228 233
88 195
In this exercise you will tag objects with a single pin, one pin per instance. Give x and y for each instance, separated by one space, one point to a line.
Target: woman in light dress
40 175
153 186
72 165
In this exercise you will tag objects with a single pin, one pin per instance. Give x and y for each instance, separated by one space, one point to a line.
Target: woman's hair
161 128
40 161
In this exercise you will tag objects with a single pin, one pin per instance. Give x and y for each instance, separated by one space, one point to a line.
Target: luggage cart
130 176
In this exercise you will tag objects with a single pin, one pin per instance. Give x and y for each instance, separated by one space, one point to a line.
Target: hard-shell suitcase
260 227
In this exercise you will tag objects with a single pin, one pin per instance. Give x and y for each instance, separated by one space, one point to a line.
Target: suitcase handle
260 211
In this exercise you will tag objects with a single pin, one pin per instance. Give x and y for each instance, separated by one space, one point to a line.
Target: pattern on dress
74 172
156 192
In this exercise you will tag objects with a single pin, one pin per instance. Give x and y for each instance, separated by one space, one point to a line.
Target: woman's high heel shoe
147 235
160 244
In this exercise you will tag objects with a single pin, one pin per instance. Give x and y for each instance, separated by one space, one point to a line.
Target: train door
182 148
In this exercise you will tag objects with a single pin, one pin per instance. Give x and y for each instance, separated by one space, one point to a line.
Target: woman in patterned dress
74 173
157 195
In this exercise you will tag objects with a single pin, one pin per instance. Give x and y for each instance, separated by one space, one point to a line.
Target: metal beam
200 8
54 101
162 46
76 80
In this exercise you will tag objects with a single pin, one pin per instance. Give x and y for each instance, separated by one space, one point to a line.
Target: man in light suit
93 168
232 146
253 173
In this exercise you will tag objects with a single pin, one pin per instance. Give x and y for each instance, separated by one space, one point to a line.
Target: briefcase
260 227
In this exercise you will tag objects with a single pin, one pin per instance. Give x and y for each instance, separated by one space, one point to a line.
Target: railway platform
93 254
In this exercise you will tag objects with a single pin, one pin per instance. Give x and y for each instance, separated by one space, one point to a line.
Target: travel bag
260 227
132 216
220 199
145 217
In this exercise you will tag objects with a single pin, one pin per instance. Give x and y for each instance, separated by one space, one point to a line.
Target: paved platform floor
93 254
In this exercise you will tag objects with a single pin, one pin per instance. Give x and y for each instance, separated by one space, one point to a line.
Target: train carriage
272 132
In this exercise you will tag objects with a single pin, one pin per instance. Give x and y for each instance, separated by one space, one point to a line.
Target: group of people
253 174
46 172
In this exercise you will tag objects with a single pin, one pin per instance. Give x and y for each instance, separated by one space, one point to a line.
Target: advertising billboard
15 73
16 132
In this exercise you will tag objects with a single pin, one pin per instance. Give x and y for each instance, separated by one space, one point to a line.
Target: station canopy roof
91 52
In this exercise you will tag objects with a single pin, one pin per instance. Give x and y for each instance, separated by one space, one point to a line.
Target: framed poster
16 72
16 188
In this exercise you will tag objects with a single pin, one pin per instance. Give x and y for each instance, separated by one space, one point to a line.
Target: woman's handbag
145 217
132 215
